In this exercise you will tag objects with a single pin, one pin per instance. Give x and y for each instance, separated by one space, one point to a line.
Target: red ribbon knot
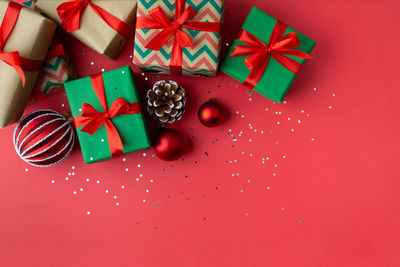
92 120
158 20
258 53
71 12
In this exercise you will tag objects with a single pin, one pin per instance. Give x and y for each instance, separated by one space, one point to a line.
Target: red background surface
323 194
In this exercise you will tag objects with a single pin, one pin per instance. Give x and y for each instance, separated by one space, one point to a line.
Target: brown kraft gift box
94 31
31 38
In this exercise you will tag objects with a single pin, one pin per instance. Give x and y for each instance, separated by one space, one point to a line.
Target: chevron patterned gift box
55 72
199 59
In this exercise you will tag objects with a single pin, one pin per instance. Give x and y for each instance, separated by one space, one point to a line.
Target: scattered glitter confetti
246 129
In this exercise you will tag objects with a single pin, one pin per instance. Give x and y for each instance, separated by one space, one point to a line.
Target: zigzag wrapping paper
54 73
202 59
28 3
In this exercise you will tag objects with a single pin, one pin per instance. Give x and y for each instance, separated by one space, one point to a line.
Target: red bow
158 20
92 119
259 53
10 19
71 12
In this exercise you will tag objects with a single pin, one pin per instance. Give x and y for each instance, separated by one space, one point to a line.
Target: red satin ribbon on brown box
71 12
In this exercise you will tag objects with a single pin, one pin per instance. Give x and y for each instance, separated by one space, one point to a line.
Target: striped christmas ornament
200 60
43 138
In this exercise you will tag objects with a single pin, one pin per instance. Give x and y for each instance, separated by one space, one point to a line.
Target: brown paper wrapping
31 37
94 32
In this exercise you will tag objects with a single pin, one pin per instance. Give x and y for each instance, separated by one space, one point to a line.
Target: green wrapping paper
276 79
131 128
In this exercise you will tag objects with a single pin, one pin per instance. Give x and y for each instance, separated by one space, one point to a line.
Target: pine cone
166 101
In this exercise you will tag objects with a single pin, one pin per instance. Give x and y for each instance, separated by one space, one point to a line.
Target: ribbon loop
14 60
70 13
92 120
258 53
158 20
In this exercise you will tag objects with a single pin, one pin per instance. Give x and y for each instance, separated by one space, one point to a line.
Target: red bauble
211 113
43 138
168 144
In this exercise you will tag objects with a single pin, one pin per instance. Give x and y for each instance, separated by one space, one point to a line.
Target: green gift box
119 86
276 78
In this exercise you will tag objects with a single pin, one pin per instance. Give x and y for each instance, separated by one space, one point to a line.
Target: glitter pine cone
166 101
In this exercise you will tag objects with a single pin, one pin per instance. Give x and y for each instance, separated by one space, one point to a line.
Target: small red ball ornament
211 113
43 138
168 144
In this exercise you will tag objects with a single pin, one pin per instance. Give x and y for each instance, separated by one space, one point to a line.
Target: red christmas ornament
43 138
168 144
211 113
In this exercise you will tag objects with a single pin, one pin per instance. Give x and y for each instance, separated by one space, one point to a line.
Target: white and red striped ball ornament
44 138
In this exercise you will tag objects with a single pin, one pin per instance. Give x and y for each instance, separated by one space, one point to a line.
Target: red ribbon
259 53
11 58
20 64
71 12
158 20
92 120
